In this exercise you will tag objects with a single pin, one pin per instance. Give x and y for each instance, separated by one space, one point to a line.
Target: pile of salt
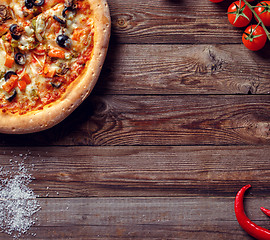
18 203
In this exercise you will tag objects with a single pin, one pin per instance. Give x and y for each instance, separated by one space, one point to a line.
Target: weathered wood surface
140 218
172 21
159 120
184 69
143 171
177 124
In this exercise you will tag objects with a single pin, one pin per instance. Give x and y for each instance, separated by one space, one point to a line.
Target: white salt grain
18 202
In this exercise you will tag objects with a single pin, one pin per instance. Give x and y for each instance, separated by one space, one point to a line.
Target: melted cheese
17 8
2 58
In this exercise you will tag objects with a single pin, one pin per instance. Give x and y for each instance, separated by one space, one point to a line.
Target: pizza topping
29 4
11 83
69 6
9 74
64 12
56 53
12 80
48 71
27 43
11 97
20 58
38 3
4 14
15 31
63 69
69 3
29 30
61 21
40 26
39 50
25 77
2 74
9 61
63 41
22 85
57 82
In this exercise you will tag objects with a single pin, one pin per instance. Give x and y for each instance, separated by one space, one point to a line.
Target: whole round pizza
51 54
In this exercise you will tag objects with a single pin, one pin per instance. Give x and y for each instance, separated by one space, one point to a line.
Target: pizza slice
50 62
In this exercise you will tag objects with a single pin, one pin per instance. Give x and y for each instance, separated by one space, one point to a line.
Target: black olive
68 8
9 74
61 21
63 41
13 27
15 37
20 58
28 4
14 30
64 11
38 2
56 84
12 96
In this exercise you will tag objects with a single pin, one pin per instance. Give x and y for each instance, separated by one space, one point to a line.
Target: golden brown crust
53 113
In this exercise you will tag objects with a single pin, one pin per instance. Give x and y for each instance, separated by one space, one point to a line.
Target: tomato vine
240 14
260 22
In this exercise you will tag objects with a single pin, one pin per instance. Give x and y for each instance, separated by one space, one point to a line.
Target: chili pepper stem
259 19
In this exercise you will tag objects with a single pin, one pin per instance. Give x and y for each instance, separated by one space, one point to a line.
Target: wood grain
184 69
143 218
159 120
170 21
178 122
142 171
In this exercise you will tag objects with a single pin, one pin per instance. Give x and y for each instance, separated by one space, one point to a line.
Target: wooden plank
158 21
159 120
143 171
140 218
184 69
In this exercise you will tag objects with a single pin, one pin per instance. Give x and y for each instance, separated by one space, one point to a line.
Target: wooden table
178 122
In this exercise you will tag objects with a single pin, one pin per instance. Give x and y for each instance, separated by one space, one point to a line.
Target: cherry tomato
254 37
216 1
263 10
239 16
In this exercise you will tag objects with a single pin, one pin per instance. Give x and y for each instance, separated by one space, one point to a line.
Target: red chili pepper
265 211
250 227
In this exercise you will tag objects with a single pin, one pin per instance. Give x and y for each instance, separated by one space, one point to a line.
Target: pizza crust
76 92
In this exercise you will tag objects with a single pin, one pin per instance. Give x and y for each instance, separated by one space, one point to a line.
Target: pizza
51 55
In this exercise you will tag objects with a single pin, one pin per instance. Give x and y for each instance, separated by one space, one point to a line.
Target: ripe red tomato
216 1
254 37
263 10
239 16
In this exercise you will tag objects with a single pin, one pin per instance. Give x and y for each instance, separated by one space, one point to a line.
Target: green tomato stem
259 19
